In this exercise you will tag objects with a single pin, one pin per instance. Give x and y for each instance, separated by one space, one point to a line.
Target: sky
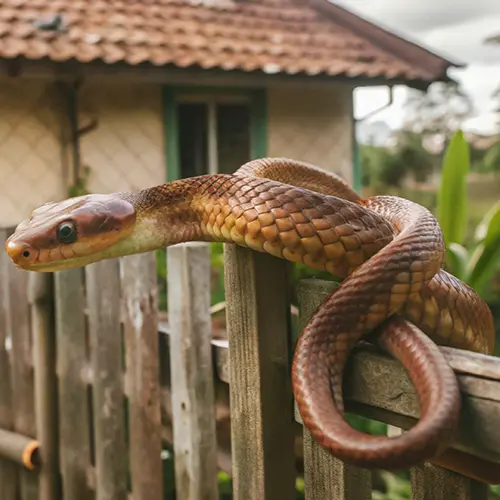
455 29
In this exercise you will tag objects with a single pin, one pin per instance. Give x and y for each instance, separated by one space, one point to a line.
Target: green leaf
452 195
456 260
485 260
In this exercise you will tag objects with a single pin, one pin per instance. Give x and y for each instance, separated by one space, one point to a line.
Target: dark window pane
193 154
233 136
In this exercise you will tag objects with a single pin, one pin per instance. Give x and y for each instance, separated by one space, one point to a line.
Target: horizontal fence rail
99 385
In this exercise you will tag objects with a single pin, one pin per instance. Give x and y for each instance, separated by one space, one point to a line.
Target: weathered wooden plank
434 483
139 299
8 470
191 373
483 414
429 482
103 299
260 389
23 404
324 475
72 370
41 300
378 387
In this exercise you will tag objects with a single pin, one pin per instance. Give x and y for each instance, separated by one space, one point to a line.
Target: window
214 134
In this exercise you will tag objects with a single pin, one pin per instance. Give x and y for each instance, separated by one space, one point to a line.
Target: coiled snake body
388 251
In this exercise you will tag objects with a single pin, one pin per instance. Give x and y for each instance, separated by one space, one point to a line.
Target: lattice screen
312 125
126 150
30 151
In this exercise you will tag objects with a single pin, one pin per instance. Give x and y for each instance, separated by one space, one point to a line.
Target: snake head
71 233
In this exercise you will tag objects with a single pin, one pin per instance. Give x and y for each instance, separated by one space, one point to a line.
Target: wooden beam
324 475
140 307
72 369
103 299
41 299
261 397
8 470
191 372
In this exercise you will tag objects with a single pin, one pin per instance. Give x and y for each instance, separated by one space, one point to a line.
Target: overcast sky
455 29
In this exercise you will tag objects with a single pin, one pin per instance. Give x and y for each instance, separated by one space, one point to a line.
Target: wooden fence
93 385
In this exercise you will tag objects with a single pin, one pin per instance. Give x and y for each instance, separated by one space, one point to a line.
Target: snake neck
167 214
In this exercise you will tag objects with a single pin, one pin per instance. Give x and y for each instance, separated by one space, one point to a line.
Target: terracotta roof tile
287 36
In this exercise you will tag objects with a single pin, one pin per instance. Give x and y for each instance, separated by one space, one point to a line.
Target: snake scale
387 251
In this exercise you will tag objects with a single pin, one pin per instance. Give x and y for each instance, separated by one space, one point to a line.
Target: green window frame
257 99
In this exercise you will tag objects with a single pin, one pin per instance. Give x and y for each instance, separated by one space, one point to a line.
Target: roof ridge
386 39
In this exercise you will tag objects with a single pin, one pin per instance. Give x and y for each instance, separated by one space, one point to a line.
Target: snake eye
66 232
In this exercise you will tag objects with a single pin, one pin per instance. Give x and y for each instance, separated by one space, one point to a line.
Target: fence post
429 482
41 299
72 370
103 299
139 288
262 433
8 470
192 385
324 475
23 403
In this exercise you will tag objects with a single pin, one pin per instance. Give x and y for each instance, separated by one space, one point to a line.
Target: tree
391 166
495 39
439 111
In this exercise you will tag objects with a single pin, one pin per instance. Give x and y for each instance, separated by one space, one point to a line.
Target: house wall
126 150
313 125
31 164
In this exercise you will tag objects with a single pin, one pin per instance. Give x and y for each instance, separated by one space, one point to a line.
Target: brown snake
388 251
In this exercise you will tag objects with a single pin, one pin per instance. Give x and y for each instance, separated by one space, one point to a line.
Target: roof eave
388 41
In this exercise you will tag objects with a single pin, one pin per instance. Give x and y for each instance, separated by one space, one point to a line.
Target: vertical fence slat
103 299
8 470
429 482
41 299
260 385
142 371
193 409
327 477
72 368
23 404
324 475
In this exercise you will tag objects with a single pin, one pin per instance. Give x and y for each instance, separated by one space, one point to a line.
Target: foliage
491 159
383 166
477 264
79 188
439 111
452 194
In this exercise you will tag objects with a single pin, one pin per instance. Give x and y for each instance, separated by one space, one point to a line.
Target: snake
387 252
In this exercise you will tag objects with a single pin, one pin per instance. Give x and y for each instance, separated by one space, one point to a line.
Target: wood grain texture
191 372
324 475
72 370
434 483
140 306
103 299
260 384
22 369
8 470
41 300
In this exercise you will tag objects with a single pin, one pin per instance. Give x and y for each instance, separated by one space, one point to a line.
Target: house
137 92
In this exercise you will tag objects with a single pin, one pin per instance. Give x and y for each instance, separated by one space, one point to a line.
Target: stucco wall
30 148
126 149
313 125
124 152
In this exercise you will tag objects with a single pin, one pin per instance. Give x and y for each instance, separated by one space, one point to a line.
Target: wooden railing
76 345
